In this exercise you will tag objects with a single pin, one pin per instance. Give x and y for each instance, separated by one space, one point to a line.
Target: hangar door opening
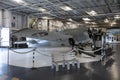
4 37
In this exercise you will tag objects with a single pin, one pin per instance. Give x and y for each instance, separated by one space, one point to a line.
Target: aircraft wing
51 36
41 34
26 32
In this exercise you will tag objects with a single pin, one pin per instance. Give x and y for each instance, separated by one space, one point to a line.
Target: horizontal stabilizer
20 42
23 42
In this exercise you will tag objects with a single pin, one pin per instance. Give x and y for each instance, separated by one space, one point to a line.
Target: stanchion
8 56
103 46
8 61
33 66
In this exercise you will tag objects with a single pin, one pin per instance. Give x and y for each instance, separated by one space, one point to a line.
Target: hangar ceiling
99 12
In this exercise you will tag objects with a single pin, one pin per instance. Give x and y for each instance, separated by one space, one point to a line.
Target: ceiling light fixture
91 13
66 8
106 21
42 9
86 19
68 23
117 16
113 23
70 19
93 23
87 22
18 1
45 17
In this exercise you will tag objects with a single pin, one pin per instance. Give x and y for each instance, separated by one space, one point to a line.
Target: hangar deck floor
88 71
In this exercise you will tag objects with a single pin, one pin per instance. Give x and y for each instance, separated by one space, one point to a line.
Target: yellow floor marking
14 78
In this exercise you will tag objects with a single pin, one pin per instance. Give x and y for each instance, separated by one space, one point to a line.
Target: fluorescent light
45 17
91 13
70 19
42 9
66 8
18 1
87 22
113 23
86 19
68 23
90 22
106 21
93 23
117 16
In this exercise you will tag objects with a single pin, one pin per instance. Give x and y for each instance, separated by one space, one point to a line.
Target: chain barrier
90 51
42 53
35 49
23 52
49 55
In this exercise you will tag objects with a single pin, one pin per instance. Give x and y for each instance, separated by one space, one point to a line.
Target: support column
24 21
7 18
0 18
28 23
6 21
0 25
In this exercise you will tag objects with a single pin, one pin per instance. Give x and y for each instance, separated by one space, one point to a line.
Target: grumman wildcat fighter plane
76 41
65 38
37 38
